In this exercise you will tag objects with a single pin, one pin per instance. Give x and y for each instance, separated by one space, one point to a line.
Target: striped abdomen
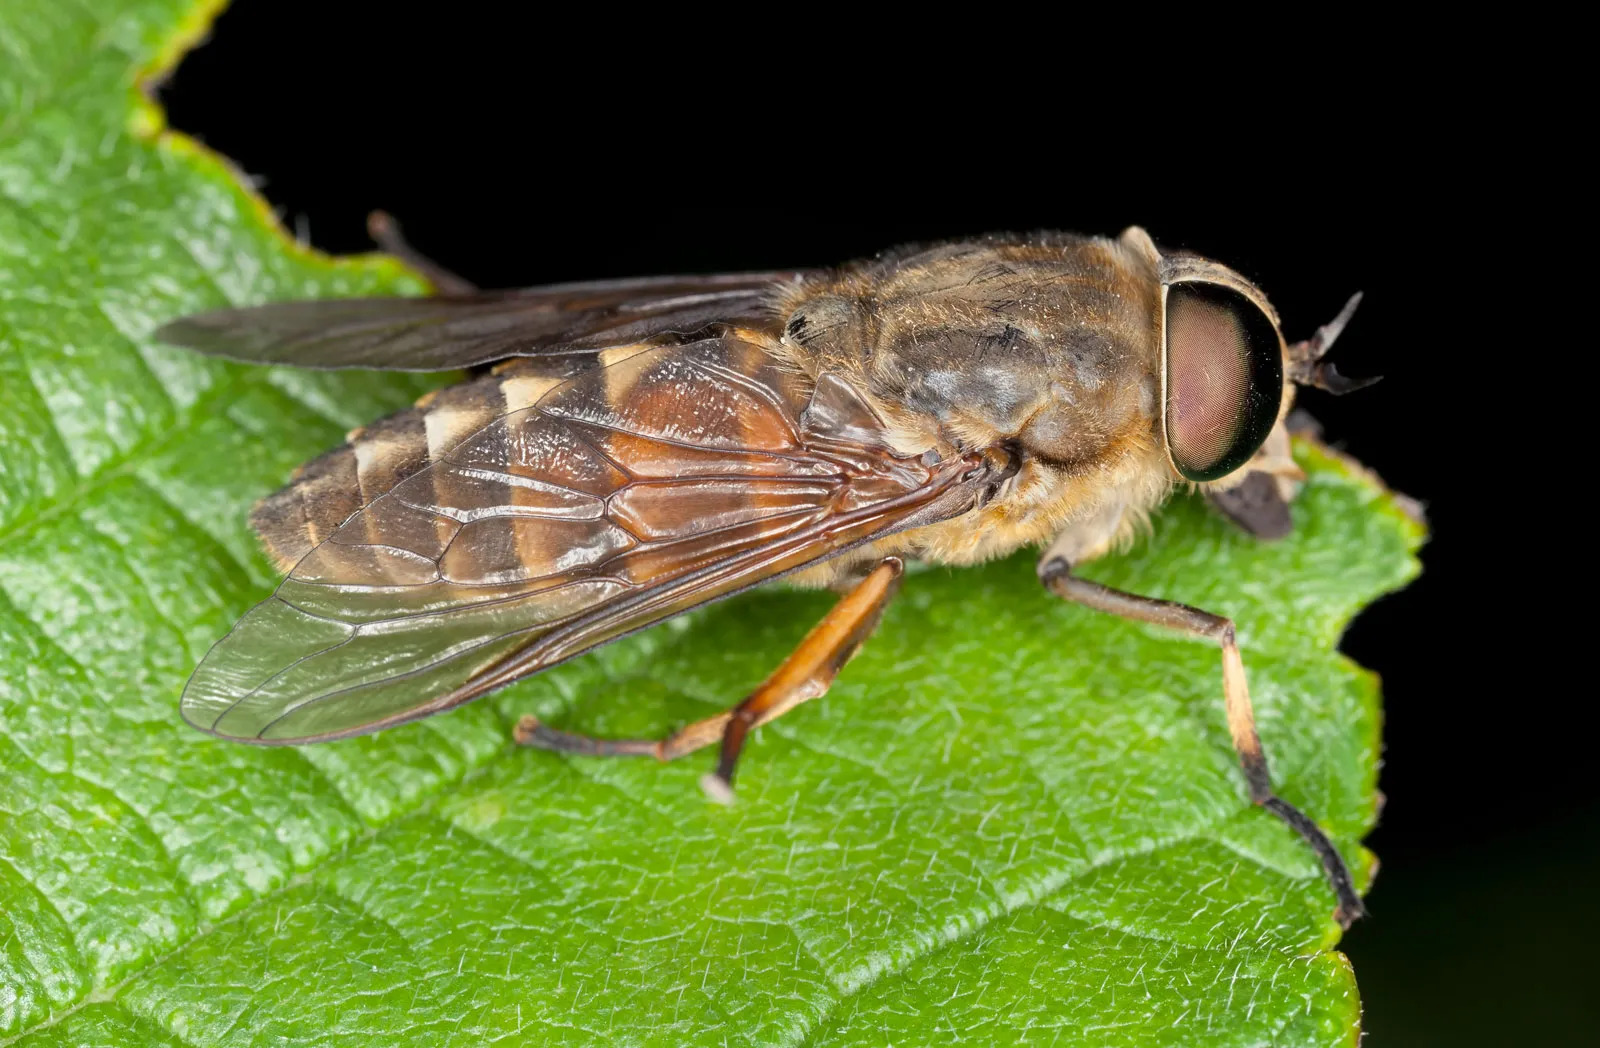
327 490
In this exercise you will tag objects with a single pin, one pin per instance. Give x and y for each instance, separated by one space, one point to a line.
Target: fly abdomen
376 458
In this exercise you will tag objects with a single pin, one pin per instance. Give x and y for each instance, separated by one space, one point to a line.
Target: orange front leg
807 673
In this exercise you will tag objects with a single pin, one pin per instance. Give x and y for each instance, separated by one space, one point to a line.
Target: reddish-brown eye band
1224 379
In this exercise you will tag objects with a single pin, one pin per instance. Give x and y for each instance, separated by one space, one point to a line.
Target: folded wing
629 493
447 332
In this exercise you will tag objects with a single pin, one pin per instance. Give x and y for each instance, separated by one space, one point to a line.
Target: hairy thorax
1042 349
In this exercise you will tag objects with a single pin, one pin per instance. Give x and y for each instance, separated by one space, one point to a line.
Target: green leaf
1012 821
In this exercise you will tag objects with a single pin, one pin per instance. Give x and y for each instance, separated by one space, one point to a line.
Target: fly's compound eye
1224 379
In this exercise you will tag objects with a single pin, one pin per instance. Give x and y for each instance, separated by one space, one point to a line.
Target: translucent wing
443 333
625 495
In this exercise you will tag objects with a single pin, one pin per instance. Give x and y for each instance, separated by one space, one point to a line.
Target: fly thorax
829 330
1078 424
1068 396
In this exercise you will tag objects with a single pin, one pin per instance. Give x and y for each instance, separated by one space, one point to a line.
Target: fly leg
807 673
385 232
1056 574
1259 502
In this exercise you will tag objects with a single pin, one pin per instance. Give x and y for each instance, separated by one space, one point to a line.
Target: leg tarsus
1056 574
733 736
1350 907
530 731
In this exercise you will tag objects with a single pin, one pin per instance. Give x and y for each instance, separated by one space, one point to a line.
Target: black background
518 157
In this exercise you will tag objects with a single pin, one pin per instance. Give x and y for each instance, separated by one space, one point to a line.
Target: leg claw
717 789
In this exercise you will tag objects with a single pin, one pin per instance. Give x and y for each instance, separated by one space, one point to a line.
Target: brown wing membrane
444 333
627 494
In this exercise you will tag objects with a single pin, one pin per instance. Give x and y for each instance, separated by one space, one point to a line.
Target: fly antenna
1306 366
